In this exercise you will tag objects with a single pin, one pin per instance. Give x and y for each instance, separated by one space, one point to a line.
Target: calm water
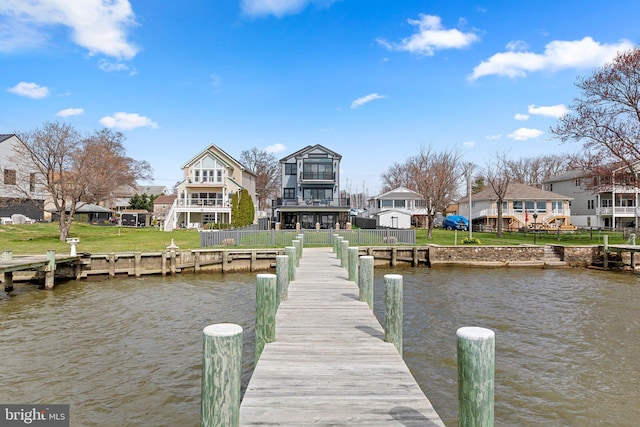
127 351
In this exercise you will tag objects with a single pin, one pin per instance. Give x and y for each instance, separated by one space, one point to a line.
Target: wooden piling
137 264
112 264
265 311
605 250
353 264
296 244
365 280
344 253
50 270
282 274
7 255
221 375
290 251
476 355
393 310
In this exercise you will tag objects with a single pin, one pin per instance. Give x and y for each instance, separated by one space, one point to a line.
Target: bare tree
75 169
266 167
498 178
396 176
534 170
436 177
606 118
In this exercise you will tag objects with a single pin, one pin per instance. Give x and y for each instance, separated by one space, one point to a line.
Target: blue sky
373 80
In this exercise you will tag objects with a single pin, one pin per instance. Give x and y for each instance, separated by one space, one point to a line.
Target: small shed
393 218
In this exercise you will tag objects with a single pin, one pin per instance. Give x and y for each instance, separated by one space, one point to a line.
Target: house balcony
206 183
619 211
302 203
202 203
317 177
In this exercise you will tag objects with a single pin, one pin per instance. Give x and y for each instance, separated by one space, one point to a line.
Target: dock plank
330 364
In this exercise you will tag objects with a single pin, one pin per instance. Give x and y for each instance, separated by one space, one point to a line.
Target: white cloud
69 112
469 144
523 134
30 90
275 148
431 36
127 121
556 111
110 67
496 136
558 55
365 99
97 25
279 8
521 117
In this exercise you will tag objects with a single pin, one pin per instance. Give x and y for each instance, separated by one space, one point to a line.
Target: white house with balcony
608 202
523 206
397 208
211 178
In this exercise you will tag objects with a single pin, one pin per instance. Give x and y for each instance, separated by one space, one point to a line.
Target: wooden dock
45 264
330 364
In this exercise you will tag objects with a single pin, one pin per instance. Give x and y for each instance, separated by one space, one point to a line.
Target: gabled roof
567 176
165 199
400 193
5 136
516 191
218 153
310 148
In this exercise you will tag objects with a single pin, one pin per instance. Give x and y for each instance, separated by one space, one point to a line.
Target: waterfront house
397 208
310 190
600 201
211 178
523 207
20 190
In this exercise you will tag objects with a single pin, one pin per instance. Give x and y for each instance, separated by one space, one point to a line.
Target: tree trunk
499 234
65 225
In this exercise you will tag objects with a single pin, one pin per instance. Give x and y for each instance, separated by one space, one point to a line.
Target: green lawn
450 237
38 238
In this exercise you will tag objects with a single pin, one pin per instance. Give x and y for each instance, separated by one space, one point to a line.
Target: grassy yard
38 238
448 237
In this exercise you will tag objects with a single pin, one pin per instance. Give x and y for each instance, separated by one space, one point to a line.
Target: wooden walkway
330 364
33 263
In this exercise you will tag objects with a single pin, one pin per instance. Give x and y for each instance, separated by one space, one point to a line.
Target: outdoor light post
535 217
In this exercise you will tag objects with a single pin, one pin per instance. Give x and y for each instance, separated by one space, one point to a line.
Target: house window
590 204
386 203
517 205
550 186
208 170
577 182
556 207
606 203
32 182
541 206
289 193
399 203
317 193
289 168
529 205
317 169
10 177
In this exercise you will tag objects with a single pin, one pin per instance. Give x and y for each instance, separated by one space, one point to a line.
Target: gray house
596 201
21 191
310 190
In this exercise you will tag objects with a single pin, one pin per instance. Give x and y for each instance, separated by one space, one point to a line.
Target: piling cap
222 330
173 245
475 333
